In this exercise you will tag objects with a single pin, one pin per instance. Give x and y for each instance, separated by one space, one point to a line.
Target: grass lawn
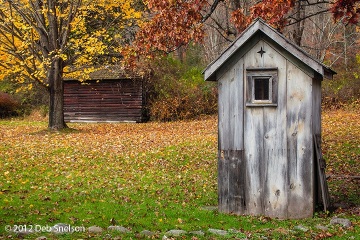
154 176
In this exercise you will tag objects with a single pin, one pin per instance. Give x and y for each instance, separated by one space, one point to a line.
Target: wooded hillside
84 36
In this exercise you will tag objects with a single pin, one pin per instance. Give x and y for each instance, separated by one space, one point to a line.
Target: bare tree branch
306 17
212 9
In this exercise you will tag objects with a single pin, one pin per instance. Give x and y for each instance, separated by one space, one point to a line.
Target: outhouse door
266 162
277 135
265 137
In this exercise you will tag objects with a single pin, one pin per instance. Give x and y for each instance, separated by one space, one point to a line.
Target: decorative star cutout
261 51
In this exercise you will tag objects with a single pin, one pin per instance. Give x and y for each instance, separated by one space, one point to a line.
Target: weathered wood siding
266 152
300 143
231 162
316 124
269 113
265 132
104 101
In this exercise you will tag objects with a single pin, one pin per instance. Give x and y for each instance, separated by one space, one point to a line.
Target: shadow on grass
62 131
345 195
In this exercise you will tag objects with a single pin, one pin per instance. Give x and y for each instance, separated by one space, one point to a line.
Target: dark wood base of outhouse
243 191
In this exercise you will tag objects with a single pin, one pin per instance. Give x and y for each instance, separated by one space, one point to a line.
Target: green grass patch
154 176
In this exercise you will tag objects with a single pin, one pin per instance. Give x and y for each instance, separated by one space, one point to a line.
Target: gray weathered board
320 168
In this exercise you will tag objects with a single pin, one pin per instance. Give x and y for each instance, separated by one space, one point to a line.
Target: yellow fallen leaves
341 138
155 173
105 155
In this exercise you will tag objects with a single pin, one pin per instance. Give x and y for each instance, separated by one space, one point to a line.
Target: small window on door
261 87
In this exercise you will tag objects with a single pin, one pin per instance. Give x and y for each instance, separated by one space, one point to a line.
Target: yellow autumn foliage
98 28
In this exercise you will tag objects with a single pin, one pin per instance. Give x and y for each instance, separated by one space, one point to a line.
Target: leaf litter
141 169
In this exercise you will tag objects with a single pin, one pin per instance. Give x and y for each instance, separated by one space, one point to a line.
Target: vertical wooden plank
236 170
232 105
253 142
299 141
253 145
223 144
316 109
223 181
224 102
320 170
230 89
230 163
231 182
236 161
316 105
275 185
238 107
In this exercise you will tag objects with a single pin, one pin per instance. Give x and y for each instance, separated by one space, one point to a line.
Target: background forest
170 42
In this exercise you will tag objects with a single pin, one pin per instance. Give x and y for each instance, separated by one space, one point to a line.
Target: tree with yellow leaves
44 40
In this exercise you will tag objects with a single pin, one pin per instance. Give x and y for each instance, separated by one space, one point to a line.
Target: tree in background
175 23
326 29
44 40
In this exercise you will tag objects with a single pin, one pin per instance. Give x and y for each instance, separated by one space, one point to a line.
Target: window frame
261 73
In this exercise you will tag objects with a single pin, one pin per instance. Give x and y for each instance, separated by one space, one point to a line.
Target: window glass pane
261 88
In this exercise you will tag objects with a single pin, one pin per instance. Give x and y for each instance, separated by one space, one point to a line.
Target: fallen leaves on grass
108 164
341 142
132 170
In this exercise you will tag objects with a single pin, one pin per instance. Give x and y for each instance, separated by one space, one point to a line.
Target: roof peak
261 25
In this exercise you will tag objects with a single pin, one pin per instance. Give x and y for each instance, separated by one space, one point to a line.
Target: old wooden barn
109 96
269 116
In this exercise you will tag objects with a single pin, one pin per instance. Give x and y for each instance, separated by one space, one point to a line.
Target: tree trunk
299 25
56 88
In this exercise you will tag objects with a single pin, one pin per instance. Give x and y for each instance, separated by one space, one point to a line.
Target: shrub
26 99
8 105
178 91
187 105
344 89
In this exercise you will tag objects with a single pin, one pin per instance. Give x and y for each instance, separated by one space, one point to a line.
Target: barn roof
111 72
247 35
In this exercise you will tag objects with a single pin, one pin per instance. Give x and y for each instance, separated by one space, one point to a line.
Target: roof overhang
260 26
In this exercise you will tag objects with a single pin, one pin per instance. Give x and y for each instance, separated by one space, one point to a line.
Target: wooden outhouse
109 96
269 158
